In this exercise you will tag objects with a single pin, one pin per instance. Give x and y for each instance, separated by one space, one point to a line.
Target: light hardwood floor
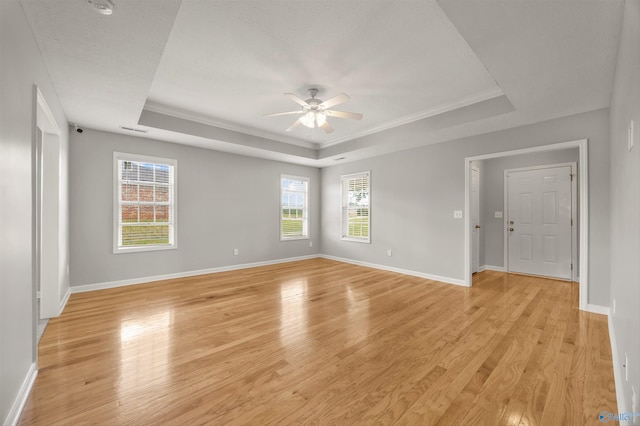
320 341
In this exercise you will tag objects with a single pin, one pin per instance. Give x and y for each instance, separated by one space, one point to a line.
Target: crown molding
203 119
478 97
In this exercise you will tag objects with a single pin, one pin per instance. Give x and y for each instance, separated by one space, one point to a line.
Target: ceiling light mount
103 7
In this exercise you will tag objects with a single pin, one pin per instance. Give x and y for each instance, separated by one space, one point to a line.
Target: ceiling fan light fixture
308 120
321 118
314 111
313 119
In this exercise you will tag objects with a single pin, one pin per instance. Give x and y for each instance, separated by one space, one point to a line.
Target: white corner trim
597 309
618 376
52 125
492 268
64 300
142 280
21 398
447 280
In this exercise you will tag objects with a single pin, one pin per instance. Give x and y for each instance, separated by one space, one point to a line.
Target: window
356 207
294 206
145 203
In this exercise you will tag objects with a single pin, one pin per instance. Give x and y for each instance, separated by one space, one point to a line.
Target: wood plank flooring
319 342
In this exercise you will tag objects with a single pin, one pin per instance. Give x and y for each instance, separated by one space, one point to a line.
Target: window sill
142 249
357 240
293 238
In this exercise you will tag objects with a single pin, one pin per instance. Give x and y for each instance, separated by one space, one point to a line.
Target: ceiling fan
315 111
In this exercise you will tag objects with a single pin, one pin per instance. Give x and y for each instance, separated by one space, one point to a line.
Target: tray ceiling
204 72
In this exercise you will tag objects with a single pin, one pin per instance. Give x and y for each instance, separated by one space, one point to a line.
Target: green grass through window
138 235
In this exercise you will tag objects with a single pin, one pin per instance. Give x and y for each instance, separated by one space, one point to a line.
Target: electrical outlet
235 252
389 252
497 215
457 214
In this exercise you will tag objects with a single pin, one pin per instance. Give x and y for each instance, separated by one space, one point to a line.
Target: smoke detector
103 7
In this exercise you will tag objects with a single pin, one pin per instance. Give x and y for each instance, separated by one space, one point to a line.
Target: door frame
574 211
45 122
583 208
475 211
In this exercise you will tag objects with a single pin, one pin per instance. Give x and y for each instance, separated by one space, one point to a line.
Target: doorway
582 208
475 216
540 214
46 216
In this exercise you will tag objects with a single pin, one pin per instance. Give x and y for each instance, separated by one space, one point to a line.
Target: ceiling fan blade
296 99
294 125
343 114
283 113
327 127
342 97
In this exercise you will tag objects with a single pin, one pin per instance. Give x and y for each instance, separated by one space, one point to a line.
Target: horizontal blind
146 207
294 193
356 206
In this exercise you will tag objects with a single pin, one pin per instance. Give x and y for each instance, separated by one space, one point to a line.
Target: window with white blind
356 207
294 207
145 203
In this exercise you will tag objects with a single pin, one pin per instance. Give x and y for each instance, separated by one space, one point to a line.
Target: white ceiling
204 72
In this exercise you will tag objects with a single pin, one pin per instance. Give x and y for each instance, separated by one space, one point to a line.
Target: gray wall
415 192
625 207
21 67
492 196
225 201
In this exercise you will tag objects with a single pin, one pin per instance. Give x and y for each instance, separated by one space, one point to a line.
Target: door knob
477 226
511 229
511 223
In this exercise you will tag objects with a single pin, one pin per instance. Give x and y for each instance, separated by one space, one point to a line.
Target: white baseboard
447 280
597 309
618 376
121 283
21 398
491 268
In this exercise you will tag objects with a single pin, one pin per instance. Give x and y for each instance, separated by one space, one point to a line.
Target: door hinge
572 266
571 175
571 222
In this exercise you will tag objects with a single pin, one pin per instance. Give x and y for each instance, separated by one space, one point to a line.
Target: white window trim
116 202
306 208
343 224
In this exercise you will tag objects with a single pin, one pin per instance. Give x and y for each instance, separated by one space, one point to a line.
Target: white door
539 221
475 219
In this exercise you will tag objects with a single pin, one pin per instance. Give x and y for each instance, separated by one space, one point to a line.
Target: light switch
498 215
457 214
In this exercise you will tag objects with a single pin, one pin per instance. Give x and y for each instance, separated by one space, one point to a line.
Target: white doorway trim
45 172
475 221
583 191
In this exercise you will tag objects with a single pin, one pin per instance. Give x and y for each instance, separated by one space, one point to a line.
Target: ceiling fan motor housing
312 101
